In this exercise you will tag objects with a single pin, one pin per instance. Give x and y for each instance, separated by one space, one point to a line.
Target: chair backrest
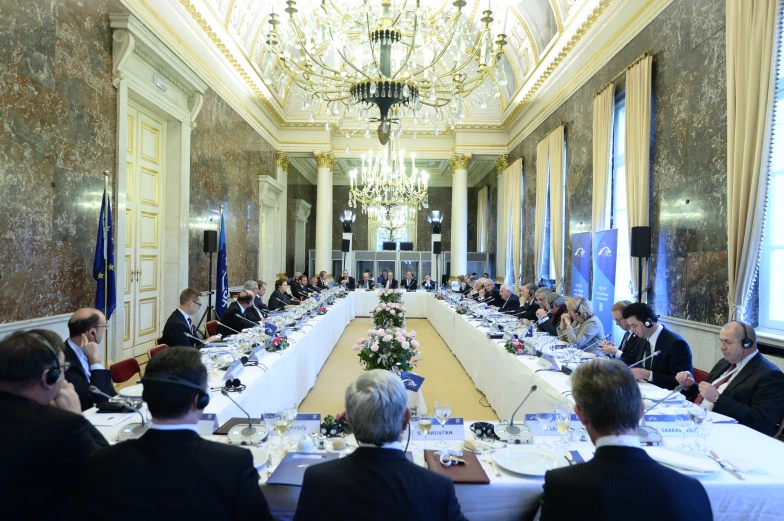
212 327
124 370
700 375
159 341
155 350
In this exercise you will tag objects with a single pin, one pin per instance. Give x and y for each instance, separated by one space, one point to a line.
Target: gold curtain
500 230
557 176
481 220
541 203
638 151
513 177
751 38
603 112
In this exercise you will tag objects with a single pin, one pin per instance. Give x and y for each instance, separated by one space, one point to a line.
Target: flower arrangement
278 343
462 310
514 346
393 349
388 315
342 294
439 296
321 310
389 296
337 425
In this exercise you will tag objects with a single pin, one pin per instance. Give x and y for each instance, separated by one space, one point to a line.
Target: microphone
261 313
649 435
138 430
247 319
516 430
199 340
227 327
655 354
279 300
565 369
250 430
674 391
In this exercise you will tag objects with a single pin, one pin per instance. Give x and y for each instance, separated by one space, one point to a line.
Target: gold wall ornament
501 163
459 162
283 161
325 159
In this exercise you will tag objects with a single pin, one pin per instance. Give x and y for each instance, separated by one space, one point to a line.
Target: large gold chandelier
385 65
393 219
384 181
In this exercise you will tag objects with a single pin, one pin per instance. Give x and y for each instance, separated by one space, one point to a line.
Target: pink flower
415 343
355 347
374 347
400 338
404 344
361 340
371 332
414 334
387 338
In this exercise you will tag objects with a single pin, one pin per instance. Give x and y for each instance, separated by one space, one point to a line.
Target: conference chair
700 375
155 350
124 370
212 327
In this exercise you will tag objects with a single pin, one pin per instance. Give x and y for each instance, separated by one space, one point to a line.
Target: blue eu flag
103 265
222 289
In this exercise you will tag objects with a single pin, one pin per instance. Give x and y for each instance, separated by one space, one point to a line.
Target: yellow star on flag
111 267
100 275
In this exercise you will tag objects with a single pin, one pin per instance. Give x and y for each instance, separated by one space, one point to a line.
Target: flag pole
106 262
220 230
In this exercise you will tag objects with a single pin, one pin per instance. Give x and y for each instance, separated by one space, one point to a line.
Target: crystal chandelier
393 219
357 59
384 181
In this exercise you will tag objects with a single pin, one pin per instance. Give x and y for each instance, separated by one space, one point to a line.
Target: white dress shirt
174 427
622 440
396 445
86 366
738 368
653 338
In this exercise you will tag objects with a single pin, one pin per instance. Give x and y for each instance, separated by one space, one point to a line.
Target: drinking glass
544 419
563 420
289 412
697 416
705 429
443 411
268 417
281 426
683 421
424 424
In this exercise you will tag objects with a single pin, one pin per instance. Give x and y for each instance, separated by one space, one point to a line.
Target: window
617 199
771 281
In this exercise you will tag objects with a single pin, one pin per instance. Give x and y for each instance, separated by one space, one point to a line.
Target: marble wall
58 109
299 188
227 156
688 160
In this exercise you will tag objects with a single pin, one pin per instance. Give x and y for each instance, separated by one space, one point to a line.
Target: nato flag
222 289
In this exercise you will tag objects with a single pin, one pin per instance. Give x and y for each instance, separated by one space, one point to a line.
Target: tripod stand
209 313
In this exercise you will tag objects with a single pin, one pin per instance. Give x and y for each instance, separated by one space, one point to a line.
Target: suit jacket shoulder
101 378
175 329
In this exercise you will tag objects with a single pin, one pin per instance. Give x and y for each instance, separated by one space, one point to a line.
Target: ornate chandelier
395 62
392 219
384 181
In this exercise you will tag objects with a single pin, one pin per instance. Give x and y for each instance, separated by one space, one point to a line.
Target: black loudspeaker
437 248
210 241
389 246
641 241
406 246
345 246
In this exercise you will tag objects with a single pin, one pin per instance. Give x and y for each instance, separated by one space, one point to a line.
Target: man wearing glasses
179 327
86 329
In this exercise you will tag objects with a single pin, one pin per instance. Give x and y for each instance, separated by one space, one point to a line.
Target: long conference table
504 379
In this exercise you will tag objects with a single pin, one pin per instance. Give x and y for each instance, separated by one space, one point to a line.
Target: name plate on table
665 424
412 381
257 353
552 430
208 423
234 371
453 430
305 424
548 362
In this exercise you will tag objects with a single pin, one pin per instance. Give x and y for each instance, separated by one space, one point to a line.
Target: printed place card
453 430
305 424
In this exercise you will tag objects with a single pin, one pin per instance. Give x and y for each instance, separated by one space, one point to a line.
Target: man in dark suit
179 322
172 471
258 304
743 384
299 288
510 301
323 281
391 282
529 304
674 353
85 330
383 278
609 486
349 282
630 348
45 440
237 316
492 295
313 285
409 284
366 282
427 284
384 484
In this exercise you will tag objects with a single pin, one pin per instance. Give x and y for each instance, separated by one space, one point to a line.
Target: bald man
237 316
86 329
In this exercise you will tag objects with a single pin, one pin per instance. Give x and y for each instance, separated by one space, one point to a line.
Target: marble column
326 162
459 248
281 174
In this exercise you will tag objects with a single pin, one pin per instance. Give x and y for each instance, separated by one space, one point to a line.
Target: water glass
682 420
268 417
563 420
544 419
443 411
705 429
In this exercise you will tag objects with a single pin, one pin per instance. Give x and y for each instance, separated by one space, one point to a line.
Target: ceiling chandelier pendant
384 181
394 220
399 62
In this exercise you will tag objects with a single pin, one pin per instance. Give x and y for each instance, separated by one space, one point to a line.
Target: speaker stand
209 313
639 277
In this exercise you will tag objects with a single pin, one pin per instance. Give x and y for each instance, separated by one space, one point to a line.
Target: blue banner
222 289
605 248
412 381
581 264
103 265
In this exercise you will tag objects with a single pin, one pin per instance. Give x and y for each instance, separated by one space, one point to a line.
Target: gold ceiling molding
325 160
586 26
283 161
501 163
459 162
213 36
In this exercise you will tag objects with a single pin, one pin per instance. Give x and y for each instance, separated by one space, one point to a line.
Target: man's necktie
730 372
623 341
190 323
646 353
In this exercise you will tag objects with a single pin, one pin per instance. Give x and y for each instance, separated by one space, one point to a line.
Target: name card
257 354
552 430
234 371
548 362
453 430
208 423
665 424
270 328
412 381
305 424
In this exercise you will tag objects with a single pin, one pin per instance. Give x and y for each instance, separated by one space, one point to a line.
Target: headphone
54 373
577 311
234 386
746 343
203 399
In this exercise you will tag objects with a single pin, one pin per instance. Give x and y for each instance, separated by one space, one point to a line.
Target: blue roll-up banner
581 264
605 248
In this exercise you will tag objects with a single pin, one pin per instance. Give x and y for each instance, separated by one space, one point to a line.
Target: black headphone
203 399
484 430
54 373
234 386
577 311
746 343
